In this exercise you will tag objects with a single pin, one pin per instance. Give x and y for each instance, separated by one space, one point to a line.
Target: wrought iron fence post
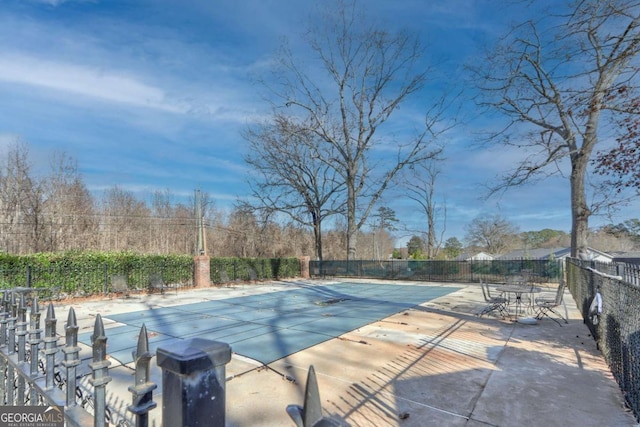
142 391
193 382
21 332
34 336
100 368
34 342
11 350
11 326
4 318
28 274
105 284
50 345
71 356
21 328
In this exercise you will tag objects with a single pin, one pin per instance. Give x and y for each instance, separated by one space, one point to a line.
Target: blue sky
153 95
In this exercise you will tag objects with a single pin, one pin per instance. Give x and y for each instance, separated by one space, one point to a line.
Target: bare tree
70 216
21 201
621 163
556 83
419 183
126 220
495 234
385 221
361 76
293 176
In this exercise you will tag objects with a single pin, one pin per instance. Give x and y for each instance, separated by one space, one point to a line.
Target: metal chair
494 303
546 305
119 285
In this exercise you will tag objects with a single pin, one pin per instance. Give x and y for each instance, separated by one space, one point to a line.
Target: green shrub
88 273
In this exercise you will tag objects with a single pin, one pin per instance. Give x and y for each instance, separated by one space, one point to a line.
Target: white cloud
59 2
91 82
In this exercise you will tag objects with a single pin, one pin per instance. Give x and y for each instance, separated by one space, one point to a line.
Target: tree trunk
317 234
579 210
352 238
431 232
352 229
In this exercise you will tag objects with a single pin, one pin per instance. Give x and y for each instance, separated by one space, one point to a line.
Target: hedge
79 273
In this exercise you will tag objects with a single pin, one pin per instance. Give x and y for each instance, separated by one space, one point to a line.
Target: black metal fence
36 372
225 270
617 328
548 271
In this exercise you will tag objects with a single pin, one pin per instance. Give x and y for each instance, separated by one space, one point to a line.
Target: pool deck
435 363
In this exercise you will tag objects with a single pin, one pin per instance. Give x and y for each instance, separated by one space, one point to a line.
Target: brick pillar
202 271
304 266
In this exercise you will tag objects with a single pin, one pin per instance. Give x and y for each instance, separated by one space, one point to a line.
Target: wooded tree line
497 235
55 211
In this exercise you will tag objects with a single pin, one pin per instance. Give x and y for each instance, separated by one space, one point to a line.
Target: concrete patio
435 363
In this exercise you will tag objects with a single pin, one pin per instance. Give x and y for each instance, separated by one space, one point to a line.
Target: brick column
304 266
202 271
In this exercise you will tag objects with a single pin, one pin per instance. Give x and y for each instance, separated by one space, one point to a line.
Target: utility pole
200 247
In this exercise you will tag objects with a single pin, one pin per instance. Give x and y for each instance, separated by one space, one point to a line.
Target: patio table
518 291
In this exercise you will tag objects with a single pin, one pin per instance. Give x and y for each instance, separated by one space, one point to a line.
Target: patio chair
119 285
547 305
157 284
498 303
253 275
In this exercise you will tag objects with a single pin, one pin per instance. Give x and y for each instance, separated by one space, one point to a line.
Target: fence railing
617 328
439 270
36 371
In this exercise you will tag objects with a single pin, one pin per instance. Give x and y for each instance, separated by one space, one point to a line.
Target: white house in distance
555 253
469 256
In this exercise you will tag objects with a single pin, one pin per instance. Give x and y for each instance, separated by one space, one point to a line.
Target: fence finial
100 368
35 307
50 344
142 391
71 356
50 321
310 415
99 340
71 329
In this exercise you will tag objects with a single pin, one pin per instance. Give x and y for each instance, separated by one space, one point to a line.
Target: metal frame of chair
546 305
494 303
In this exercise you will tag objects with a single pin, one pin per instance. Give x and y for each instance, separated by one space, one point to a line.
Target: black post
193 382
105 281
